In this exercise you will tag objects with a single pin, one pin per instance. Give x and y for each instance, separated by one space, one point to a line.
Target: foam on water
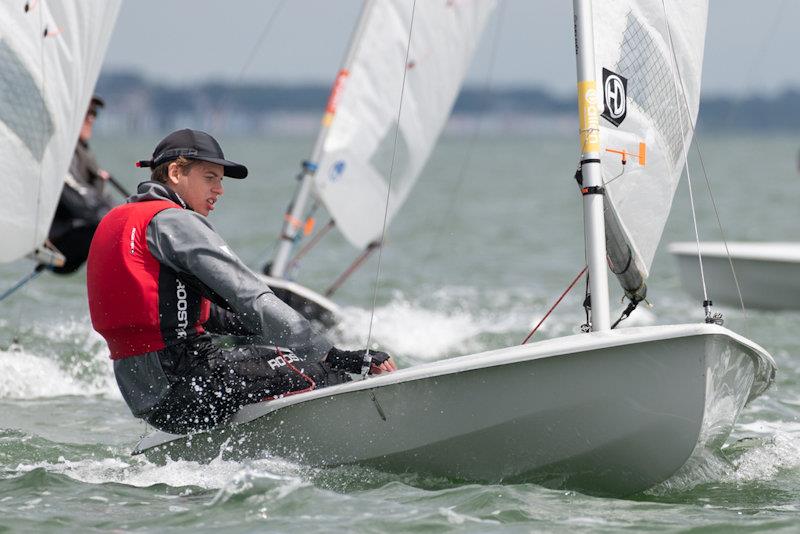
229 477
28 376
775 448
778 451
449 322
66 359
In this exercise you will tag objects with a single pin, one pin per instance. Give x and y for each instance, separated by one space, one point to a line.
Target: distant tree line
129 92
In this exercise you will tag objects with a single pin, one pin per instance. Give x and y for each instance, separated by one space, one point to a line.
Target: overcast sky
750 46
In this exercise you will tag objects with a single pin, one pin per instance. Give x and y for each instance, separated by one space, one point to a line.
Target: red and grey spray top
152 269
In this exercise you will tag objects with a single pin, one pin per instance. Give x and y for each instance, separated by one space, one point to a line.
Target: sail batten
649 61
365 143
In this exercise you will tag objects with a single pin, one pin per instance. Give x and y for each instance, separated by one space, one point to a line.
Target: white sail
353 172
649 56
50 57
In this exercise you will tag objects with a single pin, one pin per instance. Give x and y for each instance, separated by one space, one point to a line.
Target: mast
294 214
589 120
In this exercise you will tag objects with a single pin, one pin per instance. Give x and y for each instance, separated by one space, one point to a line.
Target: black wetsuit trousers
208 384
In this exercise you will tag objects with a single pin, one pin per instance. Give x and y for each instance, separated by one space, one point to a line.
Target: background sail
353 171
50 57
651 98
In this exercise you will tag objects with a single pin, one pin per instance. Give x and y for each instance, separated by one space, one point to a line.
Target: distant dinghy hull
768 273
606 413
306 302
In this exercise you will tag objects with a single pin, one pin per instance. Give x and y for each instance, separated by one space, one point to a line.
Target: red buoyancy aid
137 304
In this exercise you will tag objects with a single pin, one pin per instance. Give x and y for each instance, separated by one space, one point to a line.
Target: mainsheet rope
367 357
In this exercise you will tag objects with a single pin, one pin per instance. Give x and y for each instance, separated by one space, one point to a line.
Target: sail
352 178
649 56
50 57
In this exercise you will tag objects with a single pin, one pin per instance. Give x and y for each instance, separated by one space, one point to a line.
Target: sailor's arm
187 243
223 321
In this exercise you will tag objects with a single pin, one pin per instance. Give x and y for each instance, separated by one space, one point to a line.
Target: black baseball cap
95 104
193 144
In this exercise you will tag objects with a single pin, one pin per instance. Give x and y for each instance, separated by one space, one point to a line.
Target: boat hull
305 301
605 418
768 273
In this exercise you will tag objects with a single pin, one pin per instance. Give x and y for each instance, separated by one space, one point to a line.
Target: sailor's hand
104 174
352 360
381 363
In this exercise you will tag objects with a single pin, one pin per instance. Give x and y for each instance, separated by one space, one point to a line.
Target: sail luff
591 188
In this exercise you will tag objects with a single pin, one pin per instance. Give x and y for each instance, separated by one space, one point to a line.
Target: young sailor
161 280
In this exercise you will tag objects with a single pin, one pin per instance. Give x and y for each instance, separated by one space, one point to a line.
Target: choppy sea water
474 259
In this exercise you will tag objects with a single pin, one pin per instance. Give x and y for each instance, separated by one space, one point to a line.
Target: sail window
651 85
22 107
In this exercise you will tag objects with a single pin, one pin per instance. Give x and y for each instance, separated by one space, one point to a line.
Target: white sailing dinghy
768 273
50 57
348 171
608 411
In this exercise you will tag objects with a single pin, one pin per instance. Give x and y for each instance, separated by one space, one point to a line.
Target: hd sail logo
615 96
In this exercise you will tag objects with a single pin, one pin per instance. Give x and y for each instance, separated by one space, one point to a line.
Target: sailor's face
200 187
87 126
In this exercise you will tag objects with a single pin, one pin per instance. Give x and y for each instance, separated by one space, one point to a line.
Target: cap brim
232 169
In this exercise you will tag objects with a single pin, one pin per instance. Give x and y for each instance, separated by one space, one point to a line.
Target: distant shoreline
138 105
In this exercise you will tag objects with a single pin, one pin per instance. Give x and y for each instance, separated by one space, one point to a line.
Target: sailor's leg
74 245
197 398
257 372
208 384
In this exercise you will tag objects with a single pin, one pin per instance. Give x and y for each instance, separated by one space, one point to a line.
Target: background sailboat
609 411
50 57
360 145
767 274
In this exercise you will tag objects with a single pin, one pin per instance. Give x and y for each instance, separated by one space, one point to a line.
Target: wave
57 360
225 476
452 321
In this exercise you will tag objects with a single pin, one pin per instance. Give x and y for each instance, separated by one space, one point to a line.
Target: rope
722 233
680 90
39 269
553 307
260 40
367 358
710 192
254 49
632 304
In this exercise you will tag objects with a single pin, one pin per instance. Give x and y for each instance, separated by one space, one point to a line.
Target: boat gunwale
562 346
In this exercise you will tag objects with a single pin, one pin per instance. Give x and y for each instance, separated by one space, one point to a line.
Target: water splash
451 321
63 359
777 451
